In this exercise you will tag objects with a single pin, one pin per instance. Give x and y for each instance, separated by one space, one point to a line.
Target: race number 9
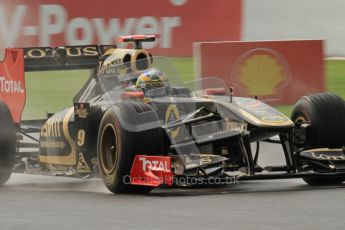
81 137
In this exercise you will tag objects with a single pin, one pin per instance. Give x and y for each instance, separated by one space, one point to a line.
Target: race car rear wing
74 57
63 57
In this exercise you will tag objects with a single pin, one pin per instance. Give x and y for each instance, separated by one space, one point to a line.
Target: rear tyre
117 148
7 144
326 113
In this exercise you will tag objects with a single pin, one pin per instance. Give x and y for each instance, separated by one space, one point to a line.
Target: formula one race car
137 127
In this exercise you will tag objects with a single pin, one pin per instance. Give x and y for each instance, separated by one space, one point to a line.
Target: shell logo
261 73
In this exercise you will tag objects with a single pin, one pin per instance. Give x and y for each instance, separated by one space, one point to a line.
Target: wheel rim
300 119
108 151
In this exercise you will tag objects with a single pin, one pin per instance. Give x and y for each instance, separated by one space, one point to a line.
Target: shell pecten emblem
261 74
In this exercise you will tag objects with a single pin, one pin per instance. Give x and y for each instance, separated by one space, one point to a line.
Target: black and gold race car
137 127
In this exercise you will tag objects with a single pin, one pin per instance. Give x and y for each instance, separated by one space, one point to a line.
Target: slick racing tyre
118 146
326 114
7 144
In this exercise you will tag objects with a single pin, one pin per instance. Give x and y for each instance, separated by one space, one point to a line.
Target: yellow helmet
152 79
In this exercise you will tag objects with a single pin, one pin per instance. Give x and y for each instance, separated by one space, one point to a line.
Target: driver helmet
152 79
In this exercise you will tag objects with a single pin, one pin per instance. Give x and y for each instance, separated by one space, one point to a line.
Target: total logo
154 165
10 86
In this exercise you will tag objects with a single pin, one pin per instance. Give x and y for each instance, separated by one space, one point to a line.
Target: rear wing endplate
12 84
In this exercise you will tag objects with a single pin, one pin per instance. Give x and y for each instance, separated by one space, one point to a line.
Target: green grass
185 68
53 91
335 72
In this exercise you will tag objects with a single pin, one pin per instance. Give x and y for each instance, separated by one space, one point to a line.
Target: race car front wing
209 169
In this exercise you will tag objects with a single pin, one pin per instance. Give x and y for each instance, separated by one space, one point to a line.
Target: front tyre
326 114
116 154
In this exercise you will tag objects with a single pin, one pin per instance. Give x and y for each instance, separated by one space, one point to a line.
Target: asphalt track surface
34 202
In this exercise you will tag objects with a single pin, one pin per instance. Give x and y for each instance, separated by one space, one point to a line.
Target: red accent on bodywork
151 171
12 82
132 95
215 91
